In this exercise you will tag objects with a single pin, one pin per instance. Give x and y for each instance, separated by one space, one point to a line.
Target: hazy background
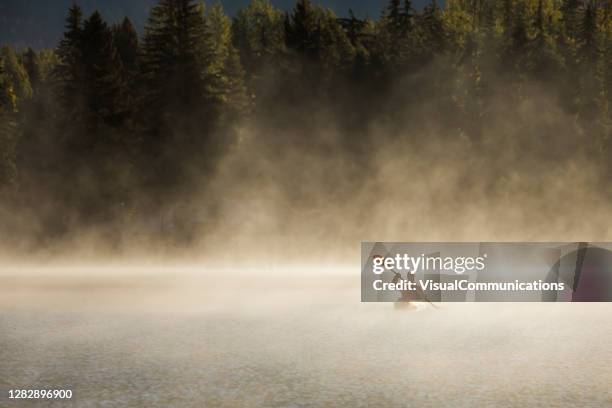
293 133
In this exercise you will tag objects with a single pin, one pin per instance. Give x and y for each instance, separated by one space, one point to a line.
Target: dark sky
39 23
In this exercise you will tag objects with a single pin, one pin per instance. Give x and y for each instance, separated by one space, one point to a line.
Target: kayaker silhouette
409 297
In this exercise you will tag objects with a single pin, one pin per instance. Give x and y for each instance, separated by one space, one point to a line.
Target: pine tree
125 39
16 74
173 111
33 67
408 15
319 44
397 44
222 71
193 82
395 16
519 39
171 59
258 34
543 61
126 42
69 72
302 30
93 136
8 131
103 72
432 32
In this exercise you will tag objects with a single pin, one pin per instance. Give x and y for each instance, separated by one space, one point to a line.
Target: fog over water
276 320
193 336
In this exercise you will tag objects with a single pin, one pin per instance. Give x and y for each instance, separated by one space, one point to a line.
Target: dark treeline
114 126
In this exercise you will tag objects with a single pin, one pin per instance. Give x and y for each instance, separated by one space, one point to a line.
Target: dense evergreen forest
112 127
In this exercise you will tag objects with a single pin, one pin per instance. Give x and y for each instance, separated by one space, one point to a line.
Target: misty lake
187 338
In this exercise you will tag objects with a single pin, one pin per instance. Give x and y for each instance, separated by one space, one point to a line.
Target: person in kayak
408 297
